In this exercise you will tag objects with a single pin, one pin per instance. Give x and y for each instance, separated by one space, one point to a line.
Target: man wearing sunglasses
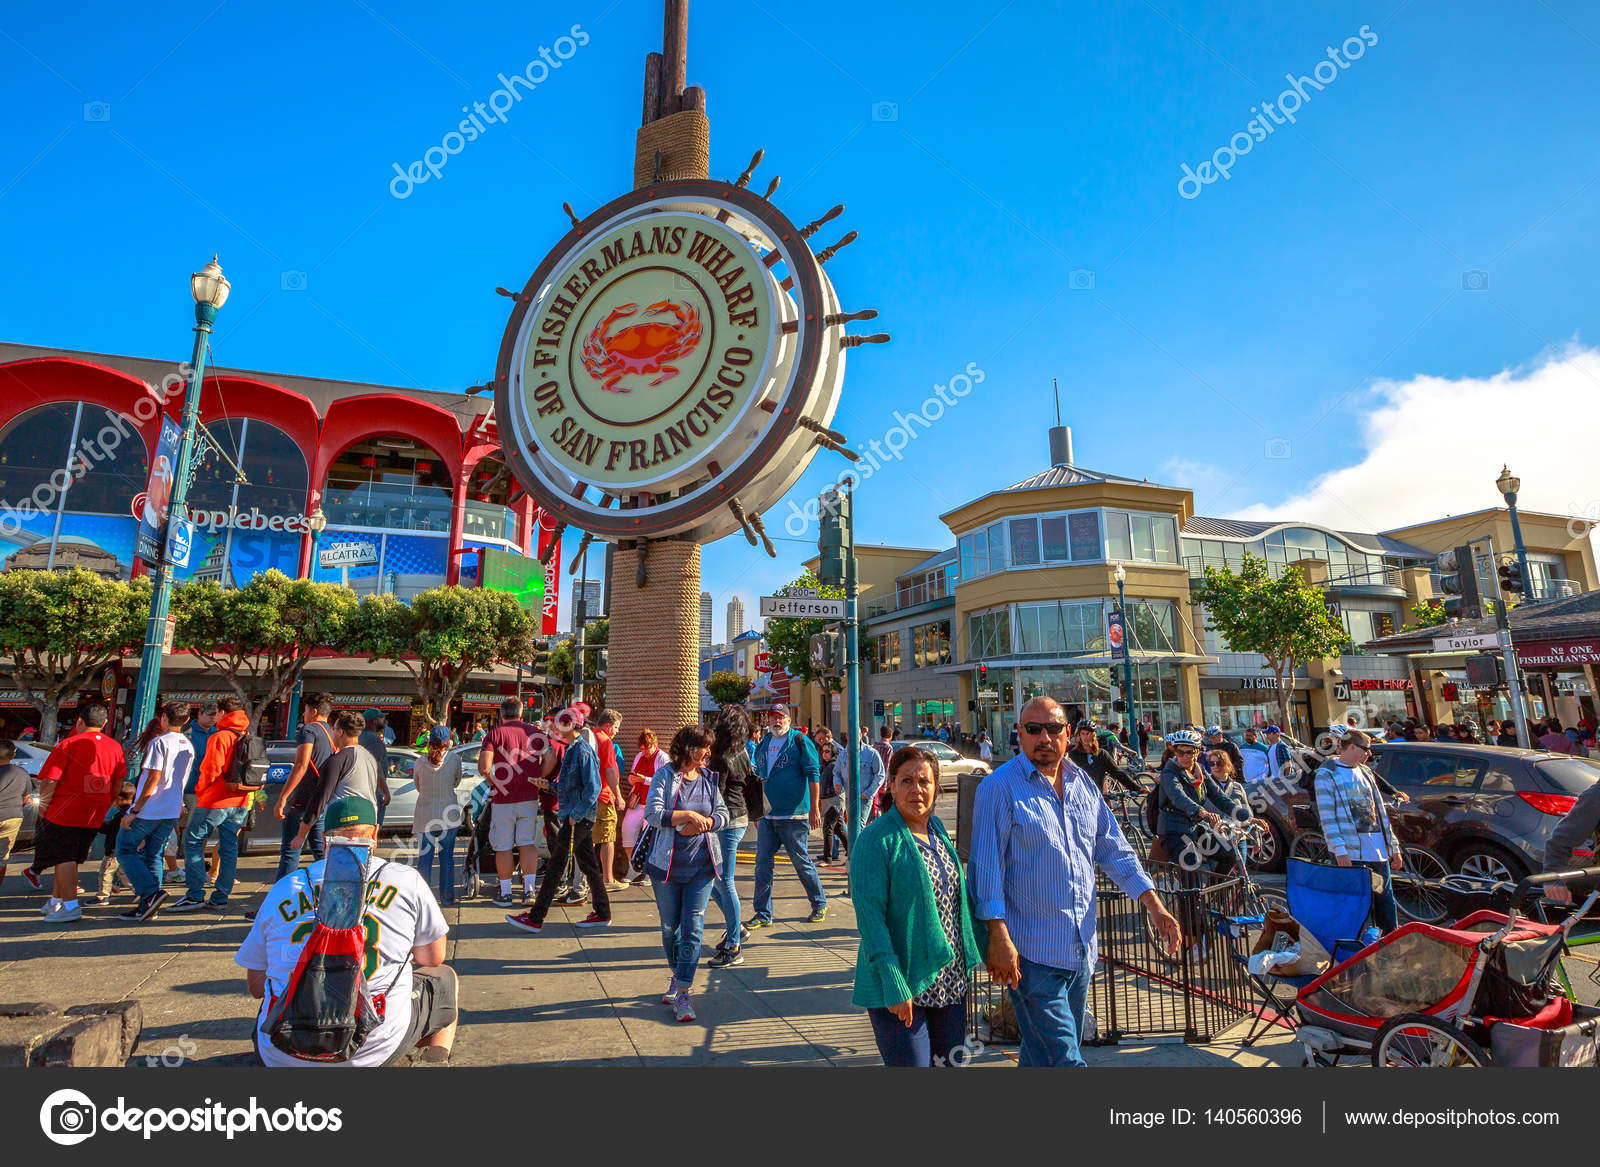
1040 827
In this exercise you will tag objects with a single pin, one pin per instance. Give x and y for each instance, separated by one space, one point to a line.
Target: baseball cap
1273 729
350 811
440 734
370 714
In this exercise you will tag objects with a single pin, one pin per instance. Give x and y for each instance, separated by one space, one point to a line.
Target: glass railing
1339 575
1554 589
487 520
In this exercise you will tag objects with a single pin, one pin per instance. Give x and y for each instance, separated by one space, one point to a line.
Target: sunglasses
1053 728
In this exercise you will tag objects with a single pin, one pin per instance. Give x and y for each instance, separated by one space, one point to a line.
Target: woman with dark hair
918 937
166 758
650 758
833 811
686 808
734 770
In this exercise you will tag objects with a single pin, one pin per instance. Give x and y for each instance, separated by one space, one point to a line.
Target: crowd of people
557 802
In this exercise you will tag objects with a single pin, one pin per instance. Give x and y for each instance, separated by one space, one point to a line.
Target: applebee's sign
251 520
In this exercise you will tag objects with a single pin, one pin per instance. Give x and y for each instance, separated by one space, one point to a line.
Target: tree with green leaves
442 637
260 637
1285 619
789 639
58 628
1426 614
728 687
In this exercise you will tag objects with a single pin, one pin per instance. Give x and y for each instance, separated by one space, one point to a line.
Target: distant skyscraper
735 618
590 590
705 621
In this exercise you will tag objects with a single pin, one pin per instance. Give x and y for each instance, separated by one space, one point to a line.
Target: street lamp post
1121 576
1509 484
318 522
209 288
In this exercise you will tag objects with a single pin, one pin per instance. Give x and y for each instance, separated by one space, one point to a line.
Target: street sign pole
1508 650
852 684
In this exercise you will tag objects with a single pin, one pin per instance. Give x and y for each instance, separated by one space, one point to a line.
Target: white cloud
1434 447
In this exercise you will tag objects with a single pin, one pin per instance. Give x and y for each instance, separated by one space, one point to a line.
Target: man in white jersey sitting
405 968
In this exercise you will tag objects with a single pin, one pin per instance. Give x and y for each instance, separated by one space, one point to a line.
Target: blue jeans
934 1038
726 892
795 835
227 823
288 853
443 843
139 848
1384 913
1049 1004
683 918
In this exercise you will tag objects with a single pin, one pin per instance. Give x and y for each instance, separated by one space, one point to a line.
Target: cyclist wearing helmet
1090 754
1189 797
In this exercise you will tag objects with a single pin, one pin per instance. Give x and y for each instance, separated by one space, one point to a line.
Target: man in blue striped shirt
1039 828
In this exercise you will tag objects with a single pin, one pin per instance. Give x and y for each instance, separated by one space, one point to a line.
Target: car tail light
1557 804
1581 854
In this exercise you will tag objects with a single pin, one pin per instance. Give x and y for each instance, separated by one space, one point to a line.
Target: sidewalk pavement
565 997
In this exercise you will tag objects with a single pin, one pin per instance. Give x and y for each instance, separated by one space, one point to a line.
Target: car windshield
1573 775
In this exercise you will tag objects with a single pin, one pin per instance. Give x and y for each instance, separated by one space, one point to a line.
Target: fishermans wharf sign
667 367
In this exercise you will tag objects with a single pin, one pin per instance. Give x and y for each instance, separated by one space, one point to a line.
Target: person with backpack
313 747
1186 798
401 998
222 803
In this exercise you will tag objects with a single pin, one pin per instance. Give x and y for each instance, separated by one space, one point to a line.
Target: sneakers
727 957
187 905
639 880
525 921
615 885
594 920
145 908
573 897
174 876
32 877
817 915
502 899
59 913
561 891
744 933
670 997
755 923
681 1008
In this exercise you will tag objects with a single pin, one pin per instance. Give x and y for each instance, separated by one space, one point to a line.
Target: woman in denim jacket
685 806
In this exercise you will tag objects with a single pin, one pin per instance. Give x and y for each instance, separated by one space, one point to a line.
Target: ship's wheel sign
669 365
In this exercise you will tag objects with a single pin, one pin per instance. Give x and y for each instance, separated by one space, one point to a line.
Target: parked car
31 758
1483 810
952 765
263 830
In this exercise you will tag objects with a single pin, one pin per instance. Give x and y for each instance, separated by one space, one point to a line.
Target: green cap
351 811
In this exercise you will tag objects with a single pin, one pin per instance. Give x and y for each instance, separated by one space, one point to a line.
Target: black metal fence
1138 990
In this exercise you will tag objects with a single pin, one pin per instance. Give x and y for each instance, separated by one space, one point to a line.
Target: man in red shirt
511 761
606 727
76 786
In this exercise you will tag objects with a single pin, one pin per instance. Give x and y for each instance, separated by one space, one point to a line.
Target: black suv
1484 810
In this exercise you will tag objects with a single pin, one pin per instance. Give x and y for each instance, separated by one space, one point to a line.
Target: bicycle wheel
1414 1040
1309 846
1417 893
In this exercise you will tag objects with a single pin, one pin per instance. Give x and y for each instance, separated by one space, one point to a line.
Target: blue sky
1307 305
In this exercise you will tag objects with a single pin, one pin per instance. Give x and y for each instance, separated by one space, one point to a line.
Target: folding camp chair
1332 903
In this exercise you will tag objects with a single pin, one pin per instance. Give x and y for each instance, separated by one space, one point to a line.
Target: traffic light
541 661
833 540
1511 581
1458 580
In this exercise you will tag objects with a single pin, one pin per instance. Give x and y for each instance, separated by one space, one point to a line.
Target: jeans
1384 913
288 853
934 1038
1049 1004
794 835
576 837
139 848
443 842
683 917
227 823
724 889
833 828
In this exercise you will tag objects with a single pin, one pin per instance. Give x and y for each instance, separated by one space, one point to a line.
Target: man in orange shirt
76 786
216 809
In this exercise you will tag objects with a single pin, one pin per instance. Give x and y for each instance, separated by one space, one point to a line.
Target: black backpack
1152 808
247 769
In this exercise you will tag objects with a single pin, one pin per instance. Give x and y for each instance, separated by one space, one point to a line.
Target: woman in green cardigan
917 932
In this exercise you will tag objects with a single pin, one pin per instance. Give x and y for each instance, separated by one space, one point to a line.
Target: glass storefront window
1240 709
388 484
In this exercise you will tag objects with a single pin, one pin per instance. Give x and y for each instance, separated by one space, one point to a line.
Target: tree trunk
1284 670
49 717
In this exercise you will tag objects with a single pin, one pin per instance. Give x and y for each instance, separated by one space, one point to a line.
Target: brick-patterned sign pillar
653 659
